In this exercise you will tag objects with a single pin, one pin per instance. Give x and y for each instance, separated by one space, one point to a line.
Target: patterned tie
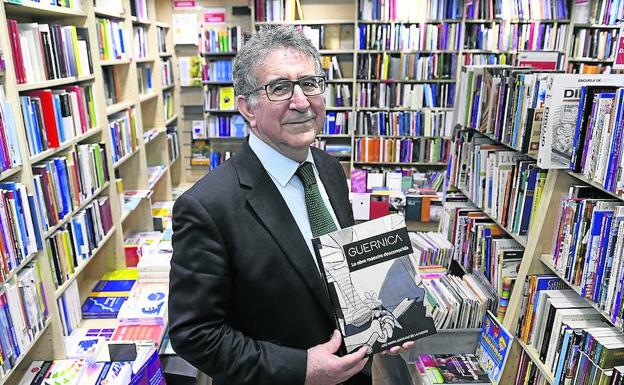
321 221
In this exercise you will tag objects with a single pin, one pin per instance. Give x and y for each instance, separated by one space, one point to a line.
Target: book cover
147 305
494 347
102 307
452 369
372 283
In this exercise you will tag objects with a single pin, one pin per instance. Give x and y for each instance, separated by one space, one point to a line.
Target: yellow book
121 274
226 98
74 36
68 252
384 68
289 13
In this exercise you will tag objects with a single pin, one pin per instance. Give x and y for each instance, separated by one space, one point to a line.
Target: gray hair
253 53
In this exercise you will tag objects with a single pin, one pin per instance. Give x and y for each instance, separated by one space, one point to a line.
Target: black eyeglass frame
293 82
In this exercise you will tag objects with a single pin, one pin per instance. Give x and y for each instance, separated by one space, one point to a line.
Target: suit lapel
268 204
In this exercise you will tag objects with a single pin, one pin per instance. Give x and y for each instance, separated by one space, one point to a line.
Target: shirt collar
277 165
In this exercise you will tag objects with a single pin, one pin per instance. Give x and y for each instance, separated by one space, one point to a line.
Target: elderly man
247 302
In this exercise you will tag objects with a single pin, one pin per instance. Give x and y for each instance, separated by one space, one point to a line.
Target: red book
16 50
379 206
49 116
139 332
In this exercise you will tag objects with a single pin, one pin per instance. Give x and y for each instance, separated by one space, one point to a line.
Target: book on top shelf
370 275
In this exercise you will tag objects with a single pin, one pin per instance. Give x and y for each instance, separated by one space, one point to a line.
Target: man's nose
299 100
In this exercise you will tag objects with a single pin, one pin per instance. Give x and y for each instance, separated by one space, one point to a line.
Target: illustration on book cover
370 274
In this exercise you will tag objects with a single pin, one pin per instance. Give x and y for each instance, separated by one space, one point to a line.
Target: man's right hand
326 368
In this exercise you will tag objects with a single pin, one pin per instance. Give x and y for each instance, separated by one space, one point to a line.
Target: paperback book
371 278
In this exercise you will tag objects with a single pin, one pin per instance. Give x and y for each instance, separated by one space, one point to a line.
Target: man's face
289 126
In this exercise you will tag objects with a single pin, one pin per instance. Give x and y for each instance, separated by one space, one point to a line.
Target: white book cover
146 305
372 283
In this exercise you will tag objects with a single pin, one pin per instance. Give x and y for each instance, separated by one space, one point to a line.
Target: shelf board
534 356
114 62
61 289
402 136
42 155
34 9
160 131
124 158
217 82
596 26
583 179
162 24
117 107
547 260
126 214
136 20
408 51
489 51
171 120
215 110
19 267
53 83
158 179
395 109
432 164
432 21
10 172
147 96
336 51
521 239
231 53
340 80
19 360
164 54
307 22
170 86
500 143
410 81
590 60
75 211
146 59
105 13
333 136
332 108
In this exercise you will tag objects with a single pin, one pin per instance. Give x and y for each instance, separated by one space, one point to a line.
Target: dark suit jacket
246 298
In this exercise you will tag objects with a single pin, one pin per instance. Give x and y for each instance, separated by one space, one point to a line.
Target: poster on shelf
618 61
494 347
214 15
185 29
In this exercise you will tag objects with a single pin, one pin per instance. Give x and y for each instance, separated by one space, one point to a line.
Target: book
451 369
375 293
494 347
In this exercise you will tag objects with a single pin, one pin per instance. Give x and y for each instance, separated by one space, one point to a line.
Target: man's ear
245 109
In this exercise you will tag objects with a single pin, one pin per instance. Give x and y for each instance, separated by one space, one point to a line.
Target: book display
81 85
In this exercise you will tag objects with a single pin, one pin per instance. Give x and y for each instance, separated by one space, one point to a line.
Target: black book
47 54
376 297
57 39
53 257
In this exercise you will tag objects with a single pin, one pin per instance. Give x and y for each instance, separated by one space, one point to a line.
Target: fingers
333 344
355 369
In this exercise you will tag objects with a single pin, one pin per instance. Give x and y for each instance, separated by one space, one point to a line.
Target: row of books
462 369
23 314
161 38
331 67
329 37
425 122
144 78
456 302
338 123
405 10
337 95
140 42
219 98
221 39
405 37
166 71
54 116
111 39
405 66
123 134
589 68
487 58
338 150
73 244
517 10
396 95
401 150
505 36
482 246
397 179
173 144
112 87
504 183
49 51
217 70
168 107
594 43
529 372
138 8
71 4
203 155
598 12
64 183
219 126
431 249
10 155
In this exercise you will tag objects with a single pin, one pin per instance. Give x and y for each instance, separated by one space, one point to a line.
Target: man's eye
280 87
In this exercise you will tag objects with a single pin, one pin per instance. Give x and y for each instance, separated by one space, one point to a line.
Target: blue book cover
121 285
34 212
57 116
528 201
612 167
90 230
79 239
102 307
64 188
562 357
593 249
604 243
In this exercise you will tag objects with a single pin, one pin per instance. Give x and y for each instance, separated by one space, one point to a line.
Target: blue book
61 169
528 201
604 243
102 307
593 246
78 238
562 356
34 213
118 285
90 230
611 174
59 119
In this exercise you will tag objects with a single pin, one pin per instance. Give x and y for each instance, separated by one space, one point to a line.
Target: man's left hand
404 348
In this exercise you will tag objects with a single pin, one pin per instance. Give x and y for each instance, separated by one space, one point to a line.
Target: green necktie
321 221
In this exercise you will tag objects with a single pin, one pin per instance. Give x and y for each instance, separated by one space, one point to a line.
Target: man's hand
325 368
404 348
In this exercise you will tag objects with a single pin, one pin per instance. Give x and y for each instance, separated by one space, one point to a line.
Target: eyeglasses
283 89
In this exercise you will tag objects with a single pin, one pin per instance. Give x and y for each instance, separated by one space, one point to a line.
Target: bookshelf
107 253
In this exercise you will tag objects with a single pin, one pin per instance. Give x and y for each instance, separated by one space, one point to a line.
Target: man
247 302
